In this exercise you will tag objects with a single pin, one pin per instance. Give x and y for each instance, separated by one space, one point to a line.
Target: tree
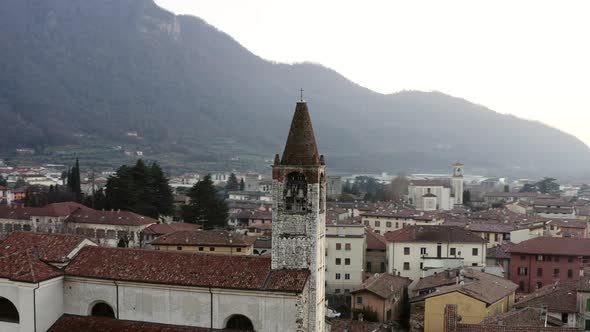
548 186
141 189
20 183
232 183
467 198
74 182
206 207
242 184
2 181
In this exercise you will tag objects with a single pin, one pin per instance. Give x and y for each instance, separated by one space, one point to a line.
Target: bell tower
457 183
299 219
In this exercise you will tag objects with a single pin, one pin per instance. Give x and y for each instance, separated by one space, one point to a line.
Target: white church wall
49 303
177 305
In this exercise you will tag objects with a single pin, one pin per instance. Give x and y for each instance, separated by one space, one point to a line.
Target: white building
438 194
417 251
345 257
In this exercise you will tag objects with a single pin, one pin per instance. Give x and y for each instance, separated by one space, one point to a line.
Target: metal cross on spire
301 94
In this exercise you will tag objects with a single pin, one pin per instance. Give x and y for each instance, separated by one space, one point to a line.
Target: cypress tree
232 183
206 207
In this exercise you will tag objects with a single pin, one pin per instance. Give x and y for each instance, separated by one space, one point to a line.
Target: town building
383 293
553 208
560 301
376 252
430 195
418 251
156 230
389 220
215 241
345 259
542 261
484 296
499 257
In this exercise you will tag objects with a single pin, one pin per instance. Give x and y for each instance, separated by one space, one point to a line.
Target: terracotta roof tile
560 297
187 269
89 216
382 284
69 323
375 241
25 267
205 238
500 251
553 246
162 229
349 325
433 234
520 317
53 248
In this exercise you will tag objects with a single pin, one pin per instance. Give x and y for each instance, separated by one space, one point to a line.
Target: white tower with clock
299 219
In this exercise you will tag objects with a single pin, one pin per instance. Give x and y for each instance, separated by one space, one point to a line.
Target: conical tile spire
301 147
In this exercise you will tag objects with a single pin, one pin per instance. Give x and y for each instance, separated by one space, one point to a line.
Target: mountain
85 76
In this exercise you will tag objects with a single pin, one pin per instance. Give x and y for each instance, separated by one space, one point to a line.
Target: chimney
36 252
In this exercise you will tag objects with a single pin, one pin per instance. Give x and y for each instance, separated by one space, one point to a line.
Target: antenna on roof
301 94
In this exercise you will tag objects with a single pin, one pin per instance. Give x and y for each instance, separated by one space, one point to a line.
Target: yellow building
485 296
215 242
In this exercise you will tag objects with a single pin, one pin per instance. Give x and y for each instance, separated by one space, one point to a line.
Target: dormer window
295 193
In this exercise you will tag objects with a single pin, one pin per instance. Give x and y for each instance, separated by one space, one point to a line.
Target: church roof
301 147
105 324
185 269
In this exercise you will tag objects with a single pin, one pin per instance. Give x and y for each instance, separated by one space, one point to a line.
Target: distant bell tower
457 183
299 217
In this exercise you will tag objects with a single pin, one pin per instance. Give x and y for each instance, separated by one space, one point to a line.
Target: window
570 259
539 285
539 272
396 224
377 223
422 251
347 261
421 265
522 271
347 276
8 311
239 249
347 246
337 291
359 300
201 248
388 224
556 273
474 251
588 304
570 274
103 310
496 237
539 258
521 285
212 249
382 267
564 317
587 325
473 264
522 257
369 267
295 192
406 266
406 250
338 246
548 258
338 261
337 276
346 291
178 248
453 251
557 258
366 223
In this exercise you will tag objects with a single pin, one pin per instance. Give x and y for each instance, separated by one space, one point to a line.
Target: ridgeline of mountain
98 70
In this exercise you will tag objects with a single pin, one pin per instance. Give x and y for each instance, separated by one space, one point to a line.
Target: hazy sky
527 58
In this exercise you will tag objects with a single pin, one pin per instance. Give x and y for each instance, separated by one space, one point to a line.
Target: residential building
499 257
215 241
560 301
509 197
345 259
389 220
376 252
485 296
156 230
383 293
108 228
253 196
553 208
542 261
560 227
418 251
493 232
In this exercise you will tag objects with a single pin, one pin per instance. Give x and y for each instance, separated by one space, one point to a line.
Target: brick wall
452 324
